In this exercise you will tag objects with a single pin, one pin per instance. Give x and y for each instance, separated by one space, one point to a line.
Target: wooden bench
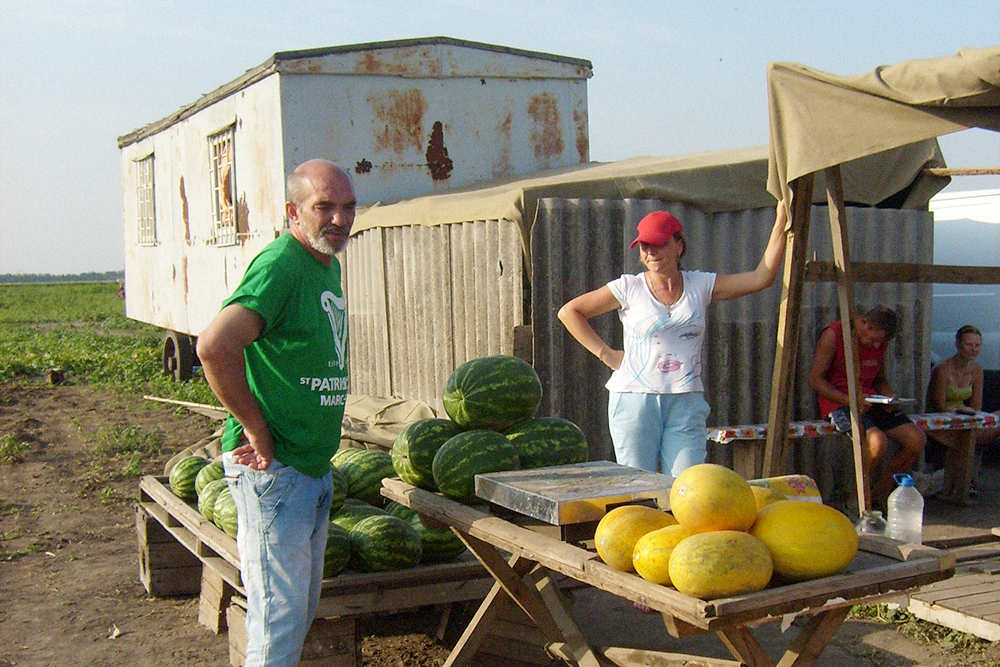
748 441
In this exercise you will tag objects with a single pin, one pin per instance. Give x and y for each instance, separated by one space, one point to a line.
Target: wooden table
748 442
524 562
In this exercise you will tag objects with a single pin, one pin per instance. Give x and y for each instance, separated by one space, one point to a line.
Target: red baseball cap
657 228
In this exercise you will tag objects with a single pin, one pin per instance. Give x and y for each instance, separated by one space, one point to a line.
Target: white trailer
204 189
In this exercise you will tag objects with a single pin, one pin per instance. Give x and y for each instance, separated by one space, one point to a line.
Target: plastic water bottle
906 511
871 523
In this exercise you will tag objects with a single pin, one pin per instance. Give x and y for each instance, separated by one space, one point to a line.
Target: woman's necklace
668 296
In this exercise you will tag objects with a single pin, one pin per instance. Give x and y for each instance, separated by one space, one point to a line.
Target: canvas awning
714 182
819 120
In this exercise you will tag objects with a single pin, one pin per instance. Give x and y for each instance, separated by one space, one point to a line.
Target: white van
966 233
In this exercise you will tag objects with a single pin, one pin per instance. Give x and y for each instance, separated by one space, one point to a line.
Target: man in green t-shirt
276 357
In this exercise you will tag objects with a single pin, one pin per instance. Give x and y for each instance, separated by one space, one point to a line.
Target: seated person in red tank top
828 378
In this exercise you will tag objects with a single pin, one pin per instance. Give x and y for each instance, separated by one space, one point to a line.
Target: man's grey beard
324 247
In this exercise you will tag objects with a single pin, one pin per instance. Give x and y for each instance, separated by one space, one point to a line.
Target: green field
82 329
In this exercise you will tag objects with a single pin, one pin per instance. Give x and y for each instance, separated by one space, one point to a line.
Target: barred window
146 201
222 171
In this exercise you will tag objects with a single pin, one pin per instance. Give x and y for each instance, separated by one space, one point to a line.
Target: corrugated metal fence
579 245
423 300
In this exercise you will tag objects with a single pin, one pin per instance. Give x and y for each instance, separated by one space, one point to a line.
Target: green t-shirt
297 368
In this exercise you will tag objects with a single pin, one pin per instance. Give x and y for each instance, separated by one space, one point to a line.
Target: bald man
275 356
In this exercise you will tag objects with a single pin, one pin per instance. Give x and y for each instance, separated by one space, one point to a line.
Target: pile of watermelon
491 403
195 479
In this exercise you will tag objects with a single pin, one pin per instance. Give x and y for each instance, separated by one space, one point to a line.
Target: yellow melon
764 496
651 556
806 540
720 564
622 527
708 497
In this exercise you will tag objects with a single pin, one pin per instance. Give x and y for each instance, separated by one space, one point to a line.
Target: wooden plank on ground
632 657
967 603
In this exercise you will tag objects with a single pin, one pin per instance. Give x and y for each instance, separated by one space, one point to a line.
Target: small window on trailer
222 172
146 200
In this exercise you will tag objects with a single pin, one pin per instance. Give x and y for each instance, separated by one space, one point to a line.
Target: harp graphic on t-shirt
334 307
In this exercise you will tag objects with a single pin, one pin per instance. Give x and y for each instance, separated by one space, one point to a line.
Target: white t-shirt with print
662 345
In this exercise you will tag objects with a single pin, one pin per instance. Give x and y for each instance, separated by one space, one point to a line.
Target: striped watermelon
210 472
469 454
352 512
337 554
548 441
339 489
384 543
183 475
439 545
343 454
364 472
224 512
209 494
495 393
414 449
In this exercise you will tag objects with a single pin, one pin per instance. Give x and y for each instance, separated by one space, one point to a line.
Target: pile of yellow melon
725 537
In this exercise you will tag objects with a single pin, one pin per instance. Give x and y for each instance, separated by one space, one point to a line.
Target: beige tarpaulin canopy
819 120
819 123
718 181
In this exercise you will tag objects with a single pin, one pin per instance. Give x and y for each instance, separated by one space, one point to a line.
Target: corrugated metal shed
425 297
579 245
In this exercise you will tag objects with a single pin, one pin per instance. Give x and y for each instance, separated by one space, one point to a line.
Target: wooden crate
330 642
183 554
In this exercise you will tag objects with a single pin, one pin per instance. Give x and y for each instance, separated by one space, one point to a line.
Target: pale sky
670 78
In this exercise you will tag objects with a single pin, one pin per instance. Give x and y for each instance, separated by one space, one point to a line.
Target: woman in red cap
656 412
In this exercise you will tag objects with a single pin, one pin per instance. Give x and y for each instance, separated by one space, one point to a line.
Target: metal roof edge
206 100
402 43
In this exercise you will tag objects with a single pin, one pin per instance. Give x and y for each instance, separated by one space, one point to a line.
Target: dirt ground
70 592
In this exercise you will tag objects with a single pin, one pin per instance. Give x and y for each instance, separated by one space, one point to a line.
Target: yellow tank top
955 397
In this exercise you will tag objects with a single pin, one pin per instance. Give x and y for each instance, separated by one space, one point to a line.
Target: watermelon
224 512
438 545
384 543
343 454
337 554
469 454
210 472
353 512
364 472
183 475
209 494
414 449
339 489
492 393
392 508
548 441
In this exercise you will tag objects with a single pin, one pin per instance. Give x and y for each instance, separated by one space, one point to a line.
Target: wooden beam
972 171
845 296
789 314
875 272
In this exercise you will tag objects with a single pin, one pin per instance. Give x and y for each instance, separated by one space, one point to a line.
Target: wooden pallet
183 554
969 601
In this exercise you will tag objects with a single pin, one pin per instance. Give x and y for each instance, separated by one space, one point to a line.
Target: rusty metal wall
579 245
424 300
406 118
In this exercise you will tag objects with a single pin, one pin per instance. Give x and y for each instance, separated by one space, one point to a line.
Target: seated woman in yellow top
957 385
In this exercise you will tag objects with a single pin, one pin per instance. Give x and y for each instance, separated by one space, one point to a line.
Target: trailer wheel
178 356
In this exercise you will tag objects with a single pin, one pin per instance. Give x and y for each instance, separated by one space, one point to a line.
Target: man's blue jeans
283 517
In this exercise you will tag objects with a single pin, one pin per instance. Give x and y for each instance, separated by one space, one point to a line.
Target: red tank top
870 360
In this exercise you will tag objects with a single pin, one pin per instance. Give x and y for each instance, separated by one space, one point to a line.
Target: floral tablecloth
931 421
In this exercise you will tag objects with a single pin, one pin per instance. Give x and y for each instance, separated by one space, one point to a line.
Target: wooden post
789 314
845 296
